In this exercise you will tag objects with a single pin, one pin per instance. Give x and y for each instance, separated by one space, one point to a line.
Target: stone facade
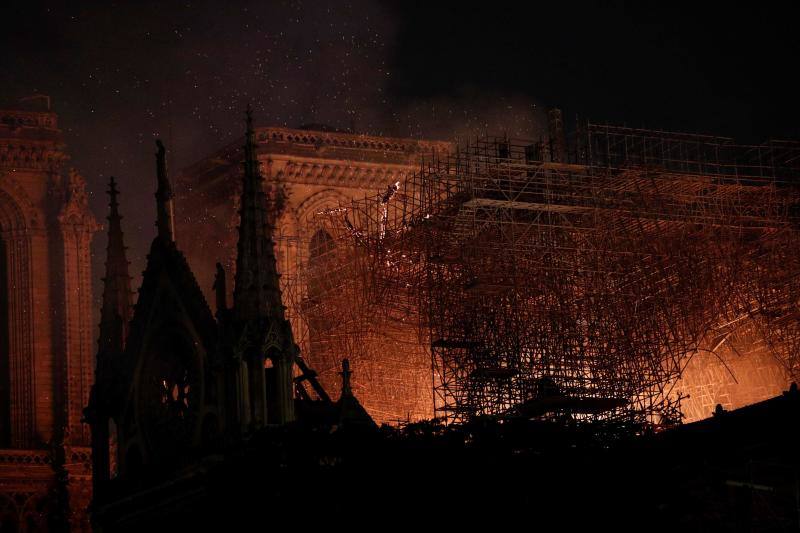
309 170
46 345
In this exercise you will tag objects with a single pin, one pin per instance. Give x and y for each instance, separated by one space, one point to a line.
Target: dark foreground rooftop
736 471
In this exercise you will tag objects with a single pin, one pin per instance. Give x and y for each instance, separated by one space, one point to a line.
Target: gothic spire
256 292
115 314
165 221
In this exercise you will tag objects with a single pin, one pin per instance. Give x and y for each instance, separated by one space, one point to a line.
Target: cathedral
216 390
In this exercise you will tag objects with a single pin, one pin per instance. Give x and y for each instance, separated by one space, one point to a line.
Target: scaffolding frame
572 283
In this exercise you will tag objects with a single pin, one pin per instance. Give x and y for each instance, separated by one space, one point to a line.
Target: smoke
469 113
121 76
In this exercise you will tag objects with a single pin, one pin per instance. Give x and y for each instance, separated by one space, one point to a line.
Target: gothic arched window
169 391
321 244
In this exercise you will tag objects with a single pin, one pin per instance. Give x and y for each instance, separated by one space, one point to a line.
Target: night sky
121 74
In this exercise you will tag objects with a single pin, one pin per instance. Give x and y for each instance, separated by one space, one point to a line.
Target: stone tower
46 330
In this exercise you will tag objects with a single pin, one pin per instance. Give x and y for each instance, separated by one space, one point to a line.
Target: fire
730 380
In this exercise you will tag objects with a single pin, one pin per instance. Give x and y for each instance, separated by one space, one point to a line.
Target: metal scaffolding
570 281
328 307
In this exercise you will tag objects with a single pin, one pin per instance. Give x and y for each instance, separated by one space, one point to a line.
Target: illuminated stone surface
46 340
